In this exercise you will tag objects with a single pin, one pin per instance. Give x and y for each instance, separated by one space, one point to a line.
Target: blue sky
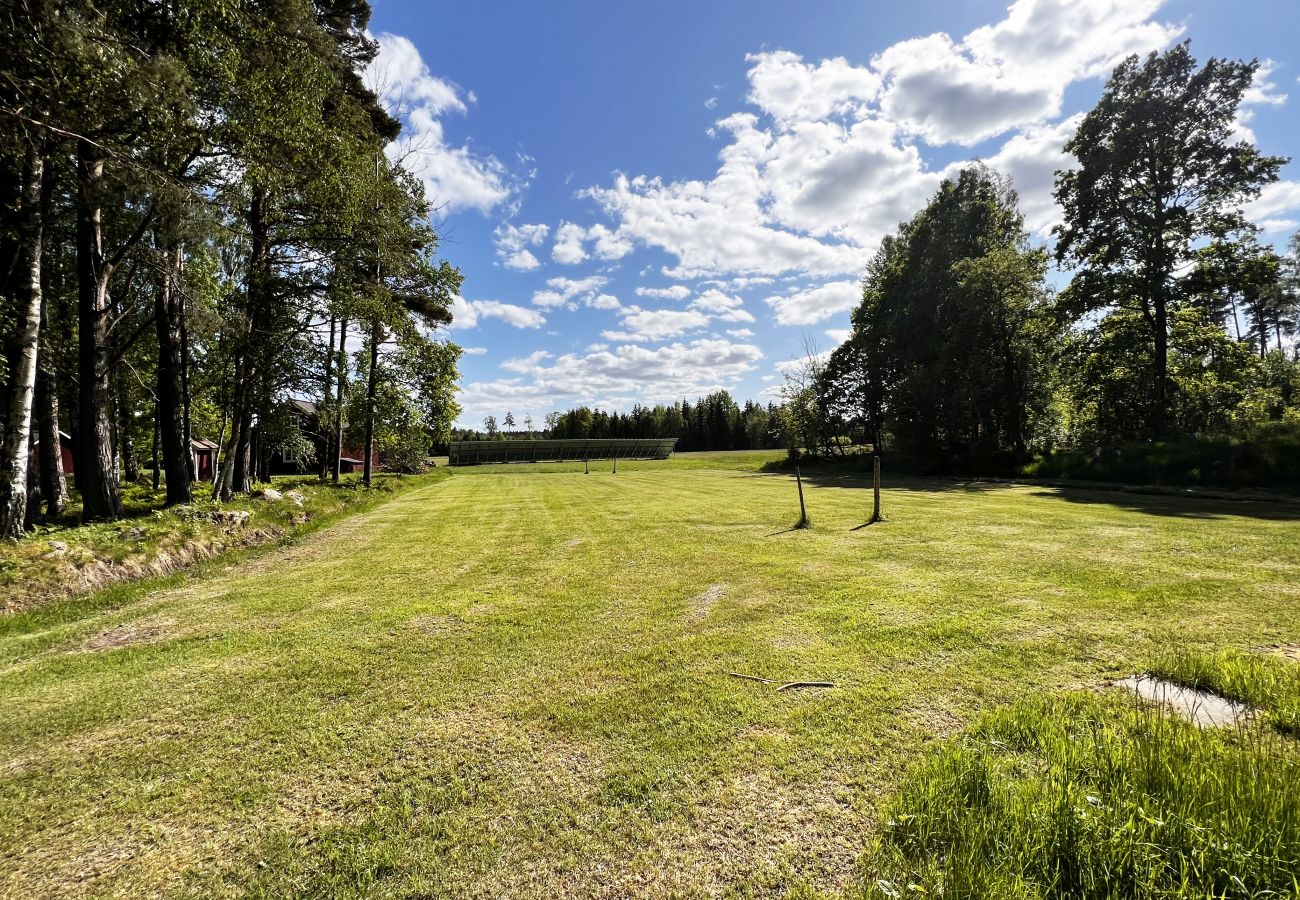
651 201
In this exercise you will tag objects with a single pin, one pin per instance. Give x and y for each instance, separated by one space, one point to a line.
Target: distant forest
715 422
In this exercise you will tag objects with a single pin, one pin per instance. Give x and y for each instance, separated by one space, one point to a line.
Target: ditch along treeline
198 213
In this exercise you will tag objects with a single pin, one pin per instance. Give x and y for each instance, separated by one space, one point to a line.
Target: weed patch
1094 797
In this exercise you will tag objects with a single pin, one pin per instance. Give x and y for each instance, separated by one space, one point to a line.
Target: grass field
515 682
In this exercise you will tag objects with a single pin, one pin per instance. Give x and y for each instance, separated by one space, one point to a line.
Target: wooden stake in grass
875 487
586 467
615 472
804 521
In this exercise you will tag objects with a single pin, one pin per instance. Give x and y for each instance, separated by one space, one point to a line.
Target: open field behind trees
515 682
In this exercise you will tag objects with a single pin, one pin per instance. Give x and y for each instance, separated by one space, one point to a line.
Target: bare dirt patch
576 542
702 603
145 631
1288 651
438 624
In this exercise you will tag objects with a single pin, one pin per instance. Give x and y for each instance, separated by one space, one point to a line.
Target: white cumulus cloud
513 242
454 176
568 249
568 292
612 378
469 313
811 305
650 325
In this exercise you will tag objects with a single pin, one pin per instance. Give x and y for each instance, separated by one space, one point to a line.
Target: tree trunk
1161 326
220 442
250 376
327 439
223 475
170 421
155 457
339 388
191 461
372 383
18 422
241 480
100 495
126 431
54 483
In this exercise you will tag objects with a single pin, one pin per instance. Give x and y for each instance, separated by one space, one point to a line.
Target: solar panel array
473 453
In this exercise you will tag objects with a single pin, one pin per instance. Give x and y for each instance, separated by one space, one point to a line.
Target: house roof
305 406
63 436
202 444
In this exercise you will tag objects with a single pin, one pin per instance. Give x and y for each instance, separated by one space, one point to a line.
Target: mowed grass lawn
515 682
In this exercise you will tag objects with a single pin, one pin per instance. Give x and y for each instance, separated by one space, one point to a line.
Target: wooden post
586 466
875 487
615 472
803 510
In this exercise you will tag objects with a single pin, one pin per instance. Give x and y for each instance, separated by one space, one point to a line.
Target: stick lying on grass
751 677
784 687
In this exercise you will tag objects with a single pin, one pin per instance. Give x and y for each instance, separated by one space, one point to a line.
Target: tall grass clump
1086 796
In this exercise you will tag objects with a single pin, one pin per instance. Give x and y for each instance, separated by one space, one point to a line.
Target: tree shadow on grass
830 477
1177 506
1152 500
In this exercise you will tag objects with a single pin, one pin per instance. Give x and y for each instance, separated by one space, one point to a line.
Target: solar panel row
472 453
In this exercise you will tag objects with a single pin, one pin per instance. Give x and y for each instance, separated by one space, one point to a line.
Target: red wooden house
65 450
204 456
352 459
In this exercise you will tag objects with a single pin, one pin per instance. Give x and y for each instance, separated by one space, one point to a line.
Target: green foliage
715 422
1267 457
1167 347
949 347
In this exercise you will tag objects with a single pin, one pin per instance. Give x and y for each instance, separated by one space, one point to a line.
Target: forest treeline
715 422
197 216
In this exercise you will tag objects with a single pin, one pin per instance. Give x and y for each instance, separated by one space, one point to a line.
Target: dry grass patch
143 631
438 624
1288 651
702 603
760 829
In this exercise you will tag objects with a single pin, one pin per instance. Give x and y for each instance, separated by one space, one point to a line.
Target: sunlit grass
1090 797
515 682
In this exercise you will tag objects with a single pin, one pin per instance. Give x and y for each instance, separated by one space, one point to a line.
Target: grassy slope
515 681
151 541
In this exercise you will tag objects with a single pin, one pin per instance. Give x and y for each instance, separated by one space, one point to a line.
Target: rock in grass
232 518
295 497
1206 709
270 494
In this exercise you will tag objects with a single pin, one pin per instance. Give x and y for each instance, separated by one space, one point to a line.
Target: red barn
65 450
